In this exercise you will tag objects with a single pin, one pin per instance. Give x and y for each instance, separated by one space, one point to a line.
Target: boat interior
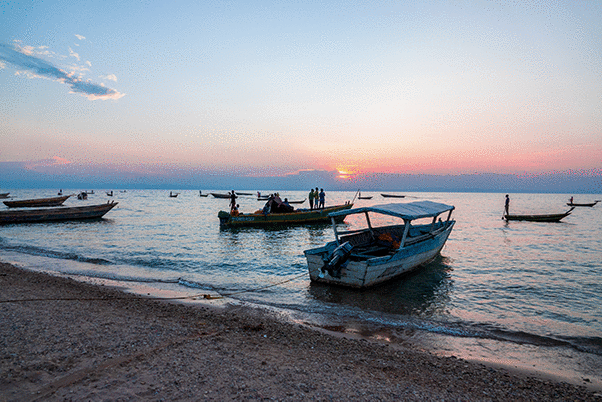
385 240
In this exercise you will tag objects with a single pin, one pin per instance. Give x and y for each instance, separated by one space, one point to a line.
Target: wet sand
63 340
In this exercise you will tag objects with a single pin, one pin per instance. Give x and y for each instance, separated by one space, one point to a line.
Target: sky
262 88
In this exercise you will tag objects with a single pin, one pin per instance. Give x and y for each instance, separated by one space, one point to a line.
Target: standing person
507 205
311 199
571 200
232 200
316 198
322 196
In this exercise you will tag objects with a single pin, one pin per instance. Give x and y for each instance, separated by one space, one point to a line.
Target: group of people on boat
276 205
317 198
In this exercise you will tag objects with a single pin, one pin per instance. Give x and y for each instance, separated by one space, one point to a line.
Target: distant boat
110 193
361 197
392 196
243 193
173 195
37 202
203 195
82 196
4 195
55 214
372 255
538 217
574 204
218 195
297 202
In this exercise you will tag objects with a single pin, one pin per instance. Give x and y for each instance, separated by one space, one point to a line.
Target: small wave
42 252
591 345
122 278
194 285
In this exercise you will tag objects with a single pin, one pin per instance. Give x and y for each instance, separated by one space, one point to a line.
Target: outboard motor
338 257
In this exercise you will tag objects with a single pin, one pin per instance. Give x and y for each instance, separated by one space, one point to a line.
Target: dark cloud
41 68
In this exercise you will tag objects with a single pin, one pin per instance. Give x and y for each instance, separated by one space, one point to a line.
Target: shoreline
95 342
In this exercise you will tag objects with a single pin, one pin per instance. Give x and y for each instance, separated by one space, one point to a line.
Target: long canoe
218 195
392 196
4 195
55 214
538 218
37 202
589 204
299 217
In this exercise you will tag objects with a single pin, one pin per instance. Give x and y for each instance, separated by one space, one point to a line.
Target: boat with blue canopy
372 255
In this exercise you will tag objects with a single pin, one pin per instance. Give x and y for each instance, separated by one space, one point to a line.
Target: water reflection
424 293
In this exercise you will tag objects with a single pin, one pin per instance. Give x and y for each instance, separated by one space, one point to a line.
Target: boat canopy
406 211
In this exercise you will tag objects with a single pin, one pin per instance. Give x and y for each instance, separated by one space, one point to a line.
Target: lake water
521 294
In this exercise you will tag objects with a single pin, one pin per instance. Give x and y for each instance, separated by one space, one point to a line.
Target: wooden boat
298 202
82 196
538 218
237 193
298 217
55 214
202 195
392 196
4 195
590 204
37 202
173 195
218 195
373 255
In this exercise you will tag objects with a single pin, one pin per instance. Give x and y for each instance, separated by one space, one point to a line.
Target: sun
346 173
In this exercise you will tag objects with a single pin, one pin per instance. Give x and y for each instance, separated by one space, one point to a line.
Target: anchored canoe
588 204
392 196
299 217
37 202
538 218
373 255
218 195
55 214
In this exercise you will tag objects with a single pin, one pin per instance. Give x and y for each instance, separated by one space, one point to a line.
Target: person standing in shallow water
507 205
311 199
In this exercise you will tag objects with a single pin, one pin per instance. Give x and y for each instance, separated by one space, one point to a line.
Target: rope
199 295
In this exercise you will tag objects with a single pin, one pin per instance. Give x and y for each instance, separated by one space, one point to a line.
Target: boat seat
376 251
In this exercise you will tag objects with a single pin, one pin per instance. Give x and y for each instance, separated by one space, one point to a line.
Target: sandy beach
64 340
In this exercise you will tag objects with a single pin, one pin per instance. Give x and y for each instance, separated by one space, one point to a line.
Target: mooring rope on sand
196 296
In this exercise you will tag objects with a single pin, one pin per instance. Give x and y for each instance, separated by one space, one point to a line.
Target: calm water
522 294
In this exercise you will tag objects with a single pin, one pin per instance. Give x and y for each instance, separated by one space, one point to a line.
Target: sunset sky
268 88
